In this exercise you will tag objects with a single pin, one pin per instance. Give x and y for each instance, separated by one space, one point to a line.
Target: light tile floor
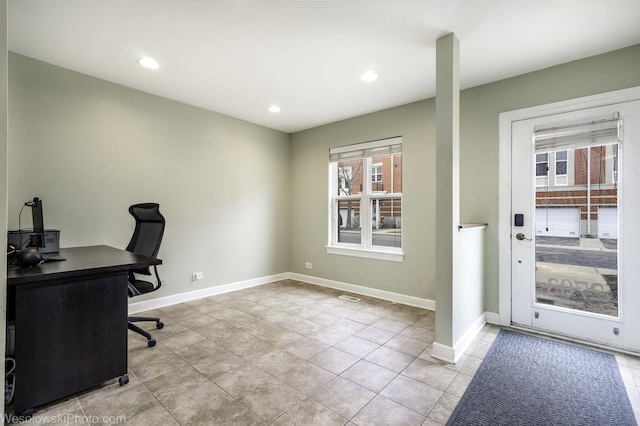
288 353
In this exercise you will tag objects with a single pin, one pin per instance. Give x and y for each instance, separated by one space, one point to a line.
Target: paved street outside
387 237
577 274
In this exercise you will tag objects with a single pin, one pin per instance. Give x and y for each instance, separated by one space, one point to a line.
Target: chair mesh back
149 230
149 238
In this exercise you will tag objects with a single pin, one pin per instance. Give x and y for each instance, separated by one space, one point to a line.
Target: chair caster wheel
159 325
124 379
151 343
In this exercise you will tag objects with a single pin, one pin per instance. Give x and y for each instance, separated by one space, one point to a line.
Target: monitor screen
36 212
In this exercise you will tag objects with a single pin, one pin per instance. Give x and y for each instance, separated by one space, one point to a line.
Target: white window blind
573 136
366 149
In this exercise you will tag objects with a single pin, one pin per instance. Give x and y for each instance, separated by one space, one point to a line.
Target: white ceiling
238 57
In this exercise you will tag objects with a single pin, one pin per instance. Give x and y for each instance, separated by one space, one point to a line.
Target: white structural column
447 189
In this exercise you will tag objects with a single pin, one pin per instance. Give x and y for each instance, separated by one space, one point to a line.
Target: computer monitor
45 240
36 214
37 238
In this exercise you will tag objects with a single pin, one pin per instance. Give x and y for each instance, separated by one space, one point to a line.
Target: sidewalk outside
585 288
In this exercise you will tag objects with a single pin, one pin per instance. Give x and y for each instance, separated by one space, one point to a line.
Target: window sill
391 256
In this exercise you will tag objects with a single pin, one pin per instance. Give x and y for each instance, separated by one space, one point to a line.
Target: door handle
520 236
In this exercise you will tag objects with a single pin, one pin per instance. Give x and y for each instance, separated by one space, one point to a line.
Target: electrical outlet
308 265
197 276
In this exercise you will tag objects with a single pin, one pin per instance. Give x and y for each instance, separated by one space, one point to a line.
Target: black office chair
146 240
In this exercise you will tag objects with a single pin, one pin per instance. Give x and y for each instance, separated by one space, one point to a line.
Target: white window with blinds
365 200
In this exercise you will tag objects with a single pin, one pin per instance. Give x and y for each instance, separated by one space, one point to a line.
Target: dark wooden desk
70 323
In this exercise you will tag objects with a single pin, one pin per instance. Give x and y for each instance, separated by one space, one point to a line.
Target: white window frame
542 180
376 172
366 198
565 180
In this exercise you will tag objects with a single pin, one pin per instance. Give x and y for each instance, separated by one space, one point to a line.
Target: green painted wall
90 148
244 201
309 201
479 133
480 108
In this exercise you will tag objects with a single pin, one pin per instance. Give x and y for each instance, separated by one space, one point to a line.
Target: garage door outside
558 221
608 222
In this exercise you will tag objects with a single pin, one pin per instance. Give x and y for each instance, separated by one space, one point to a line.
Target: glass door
576 229
569 233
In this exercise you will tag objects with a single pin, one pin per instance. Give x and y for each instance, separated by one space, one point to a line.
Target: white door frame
504 177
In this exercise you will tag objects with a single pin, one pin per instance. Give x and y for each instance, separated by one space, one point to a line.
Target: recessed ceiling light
369 76
274 108
148 62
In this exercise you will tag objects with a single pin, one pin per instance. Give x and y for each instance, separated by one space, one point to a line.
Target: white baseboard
469 335
174 299
443 353
492 318
366 291
453 354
